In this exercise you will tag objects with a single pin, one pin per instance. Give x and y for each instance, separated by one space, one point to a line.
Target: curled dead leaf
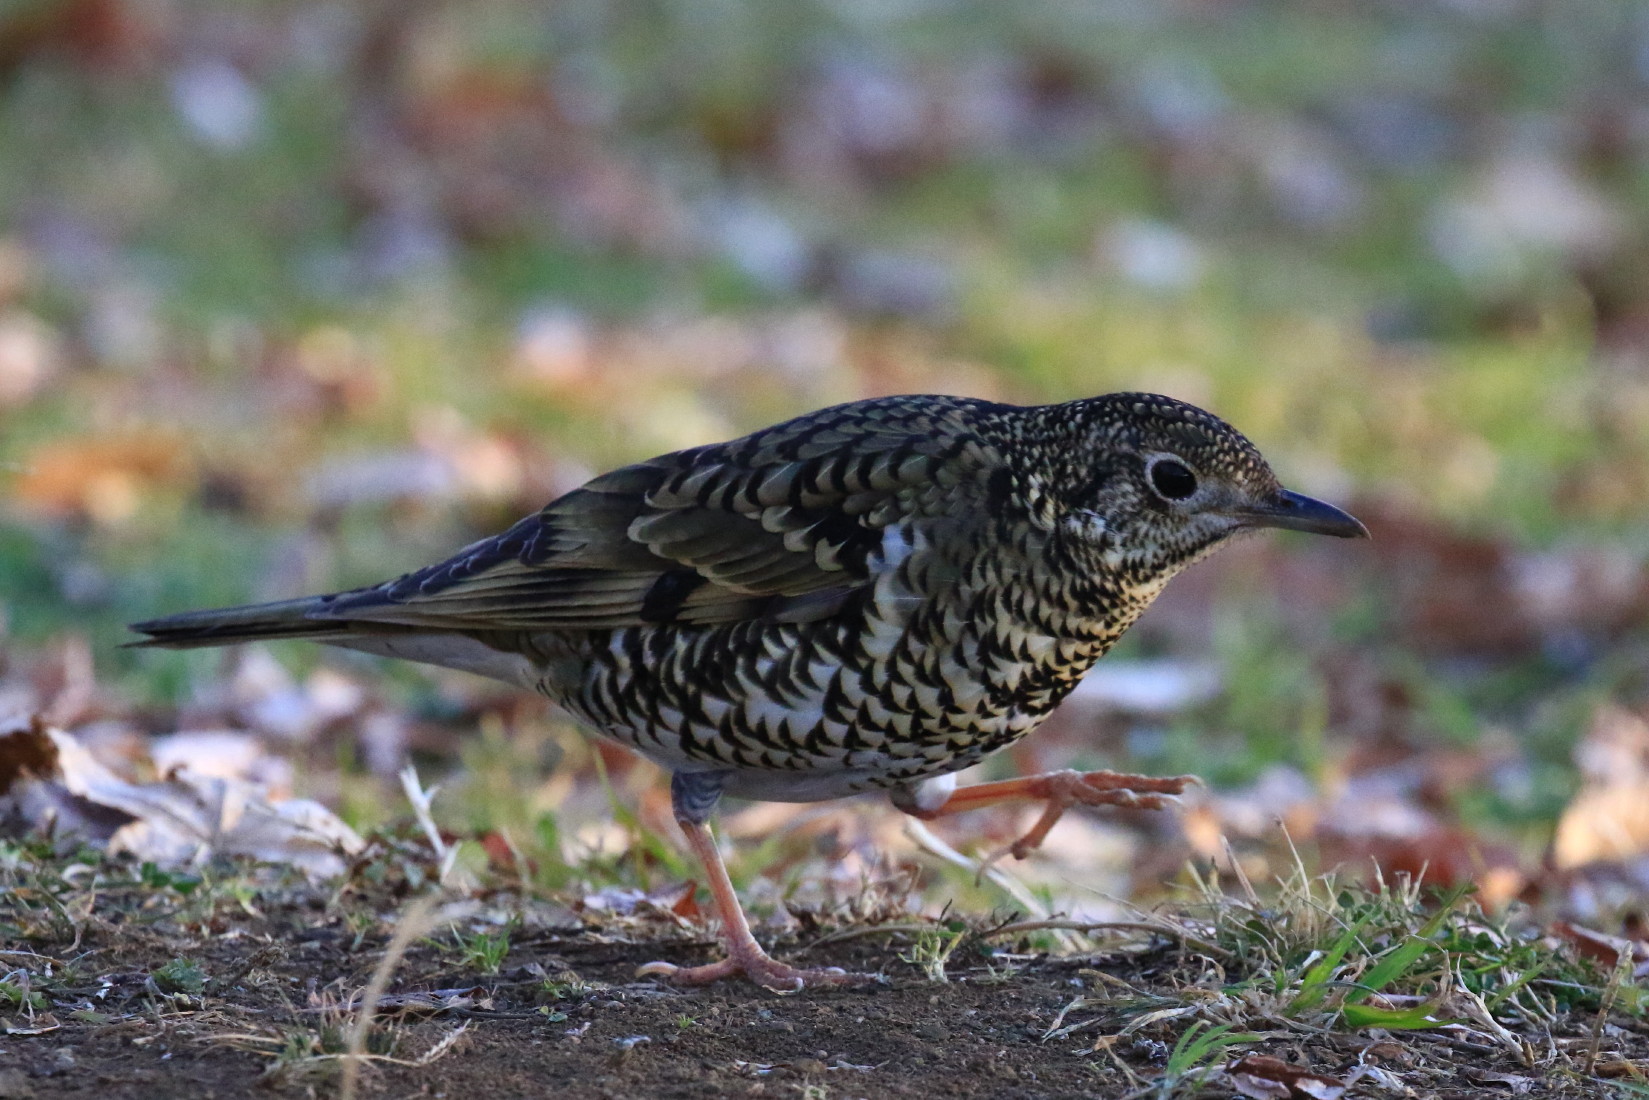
1519 1084
26 751
1611 951
50 782
35 1025
1266 1078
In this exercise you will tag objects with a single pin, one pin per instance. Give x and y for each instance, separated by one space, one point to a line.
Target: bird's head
1152 484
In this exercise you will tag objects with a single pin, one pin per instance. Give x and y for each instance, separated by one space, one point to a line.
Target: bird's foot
1063 789
758 966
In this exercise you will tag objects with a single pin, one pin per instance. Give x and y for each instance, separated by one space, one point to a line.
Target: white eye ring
1171 478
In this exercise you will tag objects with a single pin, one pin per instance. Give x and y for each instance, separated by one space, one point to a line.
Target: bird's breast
936 665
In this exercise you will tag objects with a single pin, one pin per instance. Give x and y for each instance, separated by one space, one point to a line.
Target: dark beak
1295 512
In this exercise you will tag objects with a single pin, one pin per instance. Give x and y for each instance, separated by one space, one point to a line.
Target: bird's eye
1172 480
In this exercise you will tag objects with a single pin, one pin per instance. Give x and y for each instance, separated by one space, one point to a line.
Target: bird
869 597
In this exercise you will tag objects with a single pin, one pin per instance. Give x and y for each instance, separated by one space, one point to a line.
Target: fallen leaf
26 751
1602 825
1149 687
1263 1077
222 754
1621 1068
687 906
1609 950
625 901
38 1025
1608 818
50 781
1454 592
1442 856
1518 1084
100 477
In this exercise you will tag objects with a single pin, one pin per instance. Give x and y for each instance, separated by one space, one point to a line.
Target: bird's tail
250 623
496 654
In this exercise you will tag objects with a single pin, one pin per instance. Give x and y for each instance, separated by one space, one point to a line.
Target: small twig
1441 1035
1623 970
928 841
868 930
420 917
421 799
1479 1013
1167 931
1053 1029
426 997
262 1043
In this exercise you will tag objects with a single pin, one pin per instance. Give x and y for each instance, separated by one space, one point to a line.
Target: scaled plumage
875 595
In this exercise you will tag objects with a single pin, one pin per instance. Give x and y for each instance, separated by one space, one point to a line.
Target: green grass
1195 1057
483 952
1319 950
1306 962
181 975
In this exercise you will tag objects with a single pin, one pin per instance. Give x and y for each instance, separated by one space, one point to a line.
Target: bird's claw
1064 789
757 966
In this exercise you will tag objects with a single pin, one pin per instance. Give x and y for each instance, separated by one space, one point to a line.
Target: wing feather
786 524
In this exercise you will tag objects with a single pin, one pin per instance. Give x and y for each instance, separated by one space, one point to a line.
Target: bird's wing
783 525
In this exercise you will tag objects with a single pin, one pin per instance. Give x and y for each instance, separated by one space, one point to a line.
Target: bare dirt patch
262 1002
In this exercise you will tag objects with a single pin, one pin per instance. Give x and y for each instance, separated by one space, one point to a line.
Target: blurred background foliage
298 294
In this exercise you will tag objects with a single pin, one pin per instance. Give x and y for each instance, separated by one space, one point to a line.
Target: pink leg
744 955
1062 790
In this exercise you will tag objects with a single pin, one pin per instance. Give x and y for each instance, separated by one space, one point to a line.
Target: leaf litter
220 949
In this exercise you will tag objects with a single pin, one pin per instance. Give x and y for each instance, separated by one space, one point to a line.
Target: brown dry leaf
1609 950
451 461
1449 590
1602 824
266 697
1516 1082
190 818
1615 748
1608 819
503 856
25 751
98 34
1443 856
1266 1078
1620 1068
1582 589
52 783
102 478
37 1025
687 906
484 465
434 1001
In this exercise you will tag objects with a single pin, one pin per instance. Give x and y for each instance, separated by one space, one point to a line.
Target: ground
160 984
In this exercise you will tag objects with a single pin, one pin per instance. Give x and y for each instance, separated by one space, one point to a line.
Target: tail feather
496 654
250 623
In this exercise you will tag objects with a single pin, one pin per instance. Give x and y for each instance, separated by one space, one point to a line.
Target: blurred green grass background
297 295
